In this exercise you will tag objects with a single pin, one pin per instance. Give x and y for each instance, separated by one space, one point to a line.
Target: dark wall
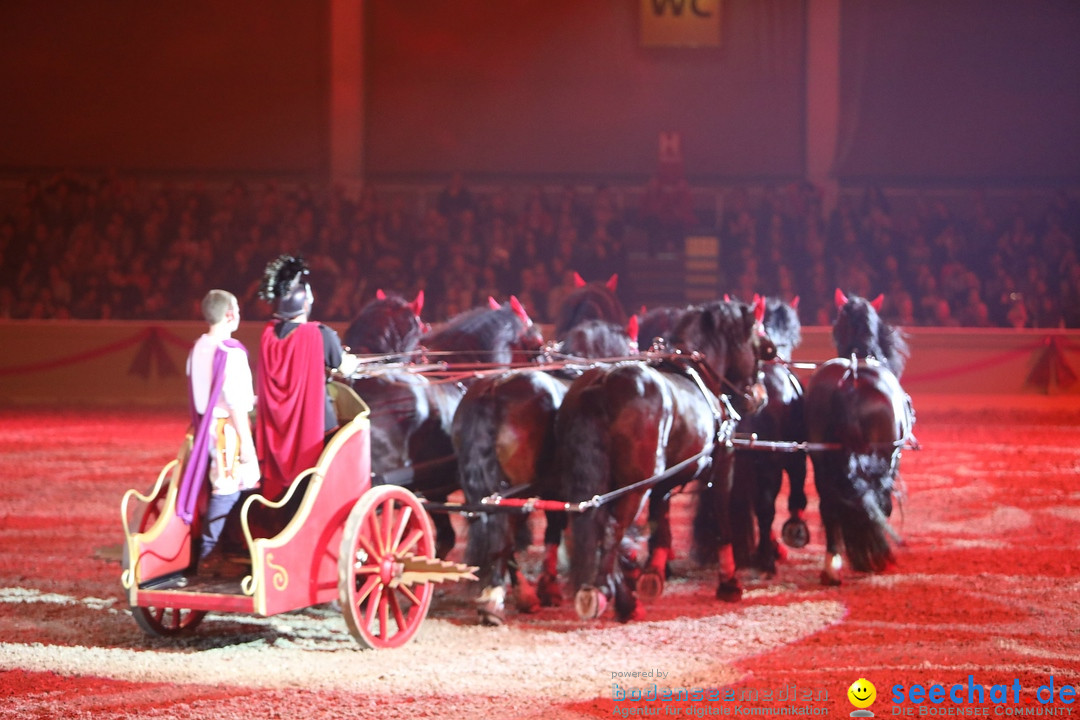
563 87
169 85
964 89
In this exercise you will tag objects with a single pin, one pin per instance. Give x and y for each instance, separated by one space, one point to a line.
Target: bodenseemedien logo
861 694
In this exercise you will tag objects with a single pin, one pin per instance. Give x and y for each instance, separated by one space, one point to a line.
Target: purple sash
199 459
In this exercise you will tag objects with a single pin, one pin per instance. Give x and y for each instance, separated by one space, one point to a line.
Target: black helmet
285 283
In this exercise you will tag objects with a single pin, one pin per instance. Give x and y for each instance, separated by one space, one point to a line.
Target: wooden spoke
386 529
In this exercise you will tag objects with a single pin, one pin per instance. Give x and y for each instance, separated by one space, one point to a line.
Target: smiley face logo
862 693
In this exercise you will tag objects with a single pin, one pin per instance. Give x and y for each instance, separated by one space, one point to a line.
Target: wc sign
680 23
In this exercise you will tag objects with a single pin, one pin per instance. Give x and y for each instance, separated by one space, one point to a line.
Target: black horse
505 427
759 474
504 437
386 325
590 301
411 415
492 335
655 326
623 426
855 403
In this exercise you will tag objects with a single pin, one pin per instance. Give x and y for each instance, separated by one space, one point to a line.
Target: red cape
290 415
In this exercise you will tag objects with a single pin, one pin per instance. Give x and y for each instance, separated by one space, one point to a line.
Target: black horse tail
867 504
481 476
583 452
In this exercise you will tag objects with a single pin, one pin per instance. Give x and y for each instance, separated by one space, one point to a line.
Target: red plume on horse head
493 303
380 295
519 310
759 308
612 283
841 300
417 305
632 327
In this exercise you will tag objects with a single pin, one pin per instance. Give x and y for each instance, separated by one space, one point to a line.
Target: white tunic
227 475
236 393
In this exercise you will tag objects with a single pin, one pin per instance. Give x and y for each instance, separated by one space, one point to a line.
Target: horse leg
795 531
650 584
525 596
828 468
596 574
744 496
548 587
487 549
832 572
445 537
769 551
617 561
587 528
703 548
728 587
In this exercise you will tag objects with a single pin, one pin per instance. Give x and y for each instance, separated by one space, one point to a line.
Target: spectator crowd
120 247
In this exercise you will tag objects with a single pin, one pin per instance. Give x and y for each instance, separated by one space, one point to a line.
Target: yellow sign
680 23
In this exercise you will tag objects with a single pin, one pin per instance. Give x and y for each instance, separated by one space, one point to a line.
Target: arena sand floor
986 593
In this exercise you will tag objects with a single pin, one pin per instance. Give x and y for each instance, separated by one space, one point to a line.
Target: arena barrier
53 362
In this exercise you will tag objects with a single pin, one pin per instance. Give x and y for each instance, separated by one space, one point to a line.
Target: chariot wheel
384 602
166 622
155 621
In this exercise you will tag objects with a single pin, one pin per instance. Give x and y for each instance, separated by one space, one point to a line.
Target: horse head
781 323
860 331
590 301
529 340
655 326
387 324
600 339
725 334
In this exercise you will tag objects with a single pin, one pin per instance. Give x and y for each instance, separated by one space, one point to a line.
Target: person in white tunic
233 462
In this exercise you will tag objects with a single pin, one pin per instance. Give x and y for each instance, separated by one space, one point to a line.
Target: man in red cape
294 409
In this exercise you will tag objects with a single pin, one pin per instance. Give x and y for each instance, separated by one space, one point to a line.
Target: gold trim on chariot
127 577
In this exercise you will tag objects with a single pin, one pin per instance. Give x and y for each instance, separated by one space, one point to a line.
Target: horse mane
591 301
596 339
860 331
659 323
384 325
481 334
782 326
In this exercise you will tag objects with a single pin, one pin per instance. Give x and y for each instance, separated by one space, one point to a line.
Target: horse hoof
650 585
527 601
829 579
590 603
795 533
549 591
490 617
634 614
729 590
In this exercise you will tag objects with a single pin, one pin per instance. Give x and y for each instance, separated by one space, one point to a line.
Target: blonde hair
216 304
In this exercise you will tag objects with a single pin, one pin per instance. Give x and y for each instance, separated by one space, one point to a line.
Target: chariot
336 538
